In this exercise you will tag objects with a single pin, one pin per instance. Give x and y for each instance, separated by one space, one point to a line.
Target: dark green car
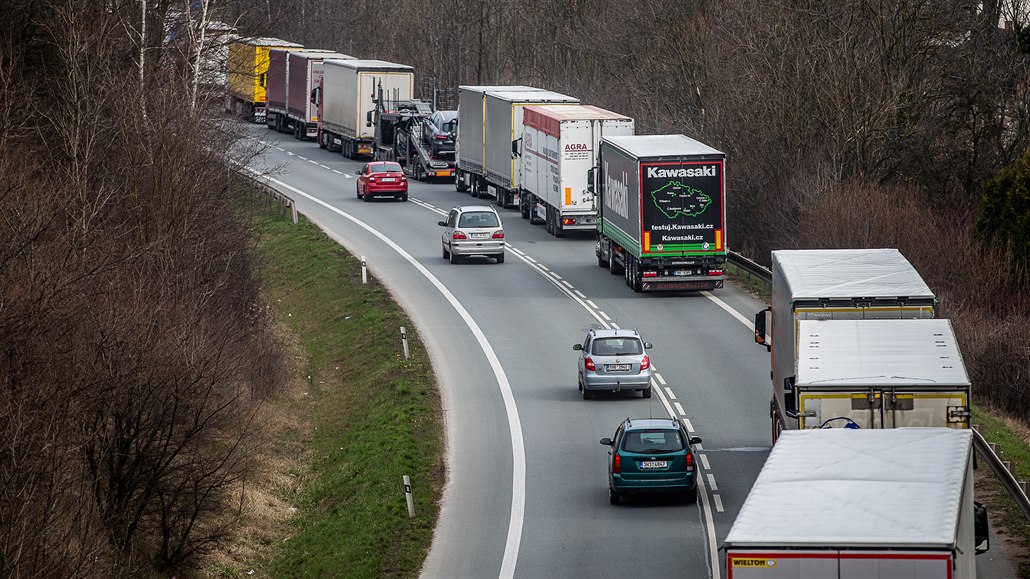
651 455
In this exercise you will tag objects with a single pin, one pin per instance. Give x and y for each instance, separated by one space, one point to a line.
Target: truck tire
499 195
601 262
525 202
321 141
613 267
459 182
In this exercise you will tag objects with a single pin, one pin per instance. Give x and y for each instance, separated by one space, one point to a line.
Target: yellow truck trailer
247 73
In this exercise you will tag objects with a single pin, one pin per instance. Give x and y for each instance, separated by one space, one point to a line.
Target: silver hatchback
614 360
473 230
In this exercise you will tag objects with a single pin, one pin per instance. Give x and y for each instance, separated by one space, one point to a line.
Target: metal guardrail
1004 470
271 192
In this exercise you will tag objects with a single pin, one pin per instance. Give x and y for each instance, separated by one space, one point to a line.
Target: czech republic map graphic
674 199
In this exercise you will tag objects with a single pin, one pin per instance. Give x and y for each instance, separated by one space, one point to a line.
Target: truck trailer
247 75
832 284
399 129
854 504
348 100
559 147
490 123
661 212
292 78
878 374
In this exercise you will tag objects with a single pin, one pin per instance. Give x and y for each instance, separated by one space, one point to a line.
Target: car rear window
478 219
617 347
645 441
386 168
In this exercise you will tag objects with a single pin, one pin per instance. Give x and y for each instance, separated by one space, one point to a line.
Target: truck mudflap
681 283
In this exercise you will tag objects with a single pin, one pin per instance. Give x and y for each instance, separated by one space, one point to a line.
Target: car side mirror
648 345
577 346
695 440
368 119
443 223
606 441
760 329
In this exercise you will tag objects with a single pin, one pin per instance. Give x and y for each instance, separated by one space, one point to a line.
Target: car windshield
478 219
386 168
652 441
617 347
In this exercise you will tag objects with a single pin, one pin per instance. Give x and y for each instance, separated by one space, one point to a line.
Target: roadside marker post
407 495
404 342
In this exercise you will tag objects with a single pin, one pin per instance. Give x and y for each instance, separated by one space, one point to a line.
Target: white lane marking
302 158
660 379
348 175
579 293
322 166
280 148
679 409
515 249
669 393
337 172
530 259
748 323
704 461
518 449
605 316
567 284
290 153
711 482
718 503
690 426
592 304
544 267
312 161
556 276
615 326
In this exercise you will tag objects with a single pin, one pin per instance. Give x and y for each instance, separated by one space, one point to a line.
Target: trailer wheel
459 182
613 267
601 262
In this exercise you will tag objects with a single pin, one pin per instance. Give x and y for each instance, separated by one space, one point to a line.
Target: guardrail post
293 206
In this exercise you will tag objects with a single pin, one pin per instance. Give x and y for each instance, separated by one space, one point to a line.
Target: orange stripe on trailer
718 239
647 241
568 195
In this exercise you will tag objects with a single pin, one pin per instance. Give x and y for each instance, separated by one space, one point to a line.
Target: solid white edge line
747 323
518 451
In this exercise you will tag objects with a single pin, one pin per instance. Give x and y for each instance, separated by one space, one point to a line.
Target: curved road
526 494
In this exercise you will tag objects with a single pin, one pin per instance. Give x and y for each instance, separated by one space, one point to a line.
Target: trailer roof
577 113
319 53
371 65
643 146
849 353
849 273
489 88
268 41
531 96
840 487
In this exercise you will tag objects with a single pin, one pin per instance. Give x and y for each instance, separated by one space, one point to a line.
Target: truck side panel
619 210
838 564
470 147
682 203
540 171
277 79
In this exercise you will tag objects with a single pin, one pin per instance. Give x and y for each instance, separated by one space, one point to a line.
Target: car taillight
441 137
617 463
499 234
645 363
460 235
589 364
690 461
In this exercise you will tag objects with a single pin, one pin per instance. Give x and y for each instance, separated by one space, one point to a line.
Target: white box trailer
878 374
349 89
855 504
304 71
559 148
833 284
495 173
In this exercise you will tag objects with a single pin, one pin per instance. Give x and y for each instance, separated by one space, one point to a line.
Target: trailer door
880 407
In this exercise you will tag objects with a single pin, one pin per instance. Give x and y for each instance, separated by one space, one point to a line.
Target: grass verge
370 415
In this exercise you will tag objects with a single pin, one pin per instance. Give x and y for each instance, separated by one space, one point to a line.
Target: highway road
526 494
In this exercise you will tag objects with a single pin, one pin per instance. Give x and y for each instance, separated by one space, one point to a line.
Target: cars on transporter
472 230
651 456
440 129
382 179
612 360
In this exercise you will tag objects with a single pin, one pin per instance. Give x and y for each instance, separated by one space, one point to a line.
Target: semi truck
247 75
878 374
832 284
490 123
855 504
292 78
558 149
661 212
347 102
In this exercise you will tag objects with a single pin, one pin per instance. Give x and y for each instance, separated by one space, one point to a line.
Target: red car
382 179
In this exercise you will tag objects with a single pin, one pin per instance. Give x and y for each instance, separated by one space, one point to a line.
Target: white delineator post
404 342
364 271
407 495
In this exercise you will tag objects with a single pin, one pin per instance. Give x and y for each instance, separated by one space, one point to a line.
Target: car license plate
388 179
649 464
682 272
480 235
617 367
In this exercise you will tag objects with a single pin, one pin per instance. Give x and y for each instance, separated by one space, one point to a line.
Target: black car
441 127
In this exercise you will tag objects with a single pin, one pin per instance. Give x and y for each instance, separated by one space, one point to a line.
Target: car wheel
500 258
646 393
404 197
614 498
691 495
358 189
454 258
587 395
367 198
446 253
